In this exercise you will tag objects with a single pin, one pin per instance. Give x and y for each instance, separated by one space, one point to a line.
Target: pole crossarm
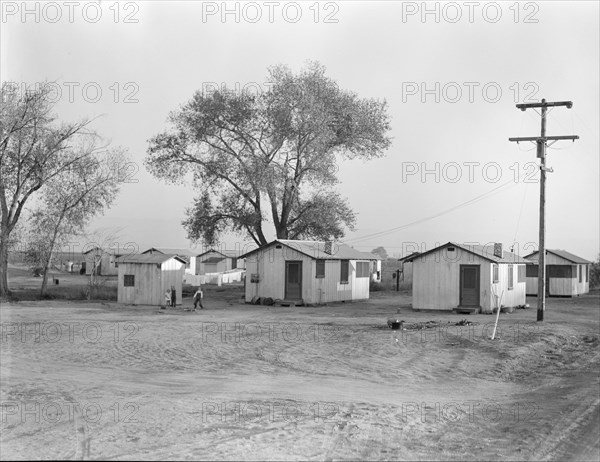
545 138
524 106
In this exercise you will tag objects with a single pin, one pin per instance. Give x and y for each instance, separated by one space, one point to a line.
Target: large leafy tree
33 148
272 154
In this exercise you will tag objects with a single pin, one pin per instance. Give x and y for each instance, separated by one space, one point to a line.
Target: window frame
344 264
129 280
495 273
511 277
320 265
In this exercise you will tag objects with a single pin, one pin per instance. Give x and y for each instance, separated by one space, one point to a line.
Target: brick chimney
498 250
328 247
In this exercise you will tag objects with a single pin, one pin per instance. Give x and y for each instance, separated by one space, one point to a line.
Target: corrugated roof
564 254
316 250
483 251
149 258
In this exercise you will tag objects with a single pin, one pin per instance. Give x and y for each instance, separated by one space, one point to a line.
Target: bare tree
72 198
33 148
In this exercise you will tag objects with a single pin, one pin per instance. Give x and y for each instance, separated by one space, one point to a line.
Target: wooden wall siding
147 289
436 281
515 296
270 265
151 282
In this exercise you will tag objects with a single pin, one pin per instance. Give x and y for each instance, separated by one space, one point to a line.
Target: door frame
460 284
285 288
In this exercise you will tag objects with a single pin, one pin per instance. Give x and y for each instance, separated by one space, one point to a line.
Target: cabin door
293 280
469 285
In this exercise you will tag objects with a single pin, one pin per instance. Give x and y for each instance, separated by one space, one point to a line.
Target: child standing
198 296
173 296
167 298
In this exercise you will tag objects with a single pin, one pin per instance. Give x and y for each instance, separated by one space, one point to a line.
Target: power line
431 217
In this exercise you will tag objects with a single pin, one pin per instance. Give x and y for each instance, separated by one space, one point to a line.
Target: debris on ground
464 322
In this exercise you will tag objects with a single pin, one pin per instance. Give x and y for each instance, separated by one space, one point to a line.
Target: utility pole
541 153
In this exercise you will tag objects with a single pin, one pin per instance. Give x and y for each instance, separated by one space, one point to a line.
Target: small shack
464 277
189 256
218 261
308 272
567 275
101 262
144 279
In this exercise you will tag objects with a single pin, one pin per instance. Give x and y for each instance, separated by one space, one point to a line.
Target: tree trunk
4 262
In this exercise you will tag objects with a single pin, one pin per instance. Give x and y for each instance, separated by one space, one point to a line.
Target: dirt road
314 383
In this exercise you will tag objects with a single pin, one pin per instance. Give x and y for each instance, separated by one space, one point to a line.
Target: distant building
406 267
467 277
567 275
189 256
101 262
309 272
144 279
218 261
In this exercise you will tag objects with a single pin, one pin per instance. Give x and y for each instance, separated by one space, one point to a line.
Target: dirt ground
241 382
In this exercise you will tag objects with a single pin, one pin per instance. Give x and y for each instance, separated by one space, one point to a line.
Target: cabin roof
170 251
563 254
149 258
225 253
483 251
316 250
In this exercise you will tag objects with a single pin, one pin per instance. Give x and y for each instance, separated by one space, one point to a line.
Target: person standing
167 298
198 296
173 296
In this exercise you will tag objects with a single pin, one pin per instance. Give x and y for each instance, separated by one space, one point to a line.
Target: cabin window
495 273
233 263
531 271
451 249
362 269
580 271
511 276
559 271
344 271
320 269
521 273
129 280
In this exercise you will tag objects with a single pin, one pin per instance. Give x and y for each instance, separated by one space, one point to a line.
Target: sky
450 72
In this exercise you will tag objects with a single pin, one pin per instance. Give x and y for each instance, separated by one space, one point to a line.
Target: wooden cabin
144 279
218 261
308 272
567 275
189 256
101 261
469 278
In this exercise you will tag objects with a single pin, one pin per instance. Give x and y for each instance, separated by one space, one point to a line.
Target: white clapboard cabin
189 256
101 261
218 261
308 272
467 278
567 275
144 279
